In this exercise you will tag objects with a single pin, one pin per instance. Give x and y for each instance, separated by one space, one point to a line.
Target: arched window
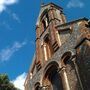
44 24
37 86
52 79
48 51
70 71
66 57
45 19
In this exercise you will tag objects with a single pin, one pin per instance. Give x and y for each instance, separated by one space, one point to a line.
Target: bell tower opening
45 20
44 24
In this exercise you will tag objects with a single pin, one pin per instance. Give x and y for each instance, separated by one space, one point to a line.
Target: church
62 57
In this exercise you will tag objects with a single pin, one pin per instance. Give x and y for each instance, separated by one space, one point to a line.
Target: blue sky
17 32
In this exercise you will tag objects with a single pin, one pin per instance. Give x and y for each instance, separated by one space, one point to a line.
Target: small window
66 57
47 18
44 24
37 86
45 21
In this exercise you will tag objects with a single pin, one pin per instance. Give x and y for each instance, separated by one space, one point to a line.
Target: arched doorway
52 79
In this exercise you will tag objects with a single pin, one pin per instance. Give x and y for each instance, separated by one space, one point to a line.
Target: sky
17 33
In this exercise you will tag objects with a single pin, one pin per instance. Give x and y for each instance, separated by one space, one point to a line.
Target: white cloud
75 4
5 3
6 25
2 8
5 54
13 15
19 81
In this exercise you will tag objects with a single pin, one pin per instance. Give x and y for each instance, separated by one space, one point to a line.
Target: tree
5 83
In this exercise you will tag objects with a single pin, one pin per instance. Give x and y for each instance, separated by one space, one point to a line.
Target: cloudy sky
17 32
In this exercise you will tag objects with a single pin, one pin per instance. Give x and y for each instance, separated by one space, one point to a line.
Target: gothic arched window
66 57
45 19
48 51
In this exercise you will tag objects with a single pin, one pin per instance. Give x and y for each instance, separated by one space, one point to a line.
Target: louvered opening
38 65
55 46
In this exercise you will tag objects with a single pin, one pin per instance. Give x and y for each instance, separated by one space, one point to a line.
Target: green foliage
5 83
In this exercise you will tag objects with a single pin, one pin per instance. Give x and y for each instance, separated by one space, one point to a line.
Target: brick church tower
62 57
